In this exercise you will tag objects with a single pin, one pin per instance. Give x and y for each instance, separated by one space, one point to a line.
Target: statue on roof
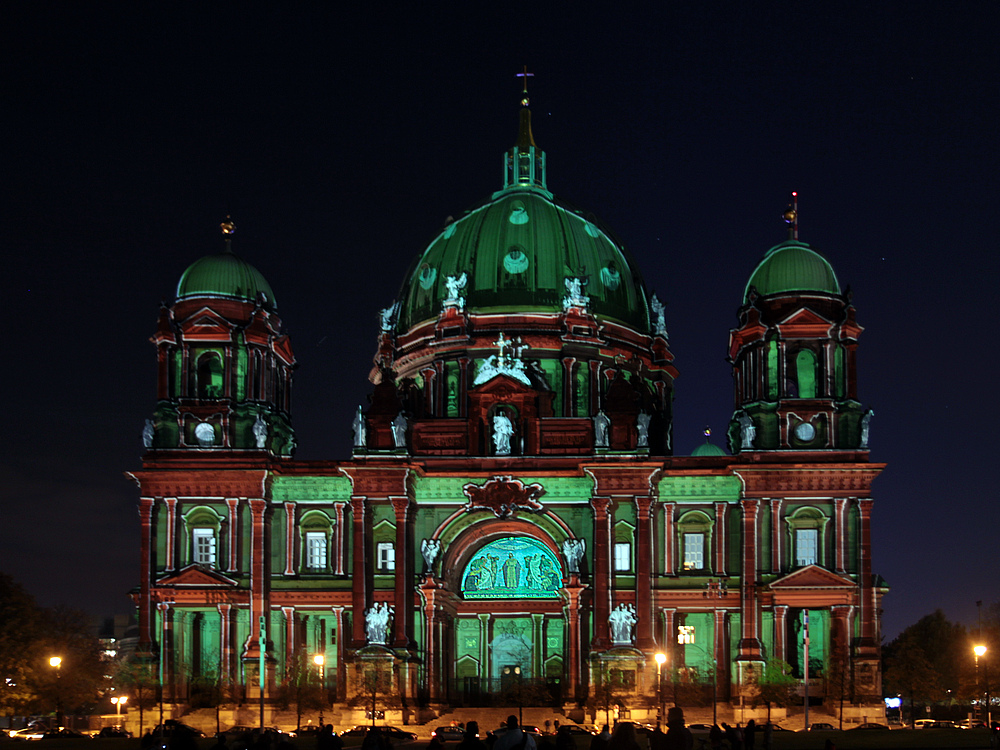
260 432
601 426
455 284
360 429
659 322
148 433
866 422
642 427
399 425
748 431
574 293
387 317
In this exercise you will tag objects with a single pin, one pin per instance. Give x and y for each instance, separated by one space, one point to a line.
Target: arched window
805 373
772 370
624 547
694 532
806 532
210 375
203 529
316 530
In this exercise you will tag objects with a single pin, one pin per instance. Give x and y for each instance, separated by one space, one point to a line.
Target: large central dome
517 250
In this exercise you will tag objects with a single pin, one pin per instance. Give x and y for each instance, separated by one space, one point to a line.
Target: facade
513 520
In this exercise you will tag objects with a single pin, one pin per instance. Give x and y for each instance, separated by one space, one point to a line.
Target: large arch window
806 532
694 531
210 375
805 373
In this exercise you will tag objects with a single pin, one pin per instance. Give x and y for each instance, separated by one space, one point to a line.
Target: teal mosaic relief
515 568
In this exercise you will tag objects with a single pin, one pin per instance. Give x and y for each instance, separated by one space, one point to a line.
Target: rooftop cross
524 92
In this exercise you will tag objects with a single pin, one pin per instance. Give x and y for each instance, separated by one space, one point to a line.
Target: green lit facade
513 510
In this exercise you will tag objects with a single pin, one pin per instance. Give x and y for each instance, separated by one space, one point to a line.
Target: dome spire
228 228
524 164
791 217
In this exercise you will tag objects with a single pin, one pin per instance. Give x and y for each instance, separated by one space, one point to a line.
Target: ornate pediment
812 577
804 323
195 575
503 495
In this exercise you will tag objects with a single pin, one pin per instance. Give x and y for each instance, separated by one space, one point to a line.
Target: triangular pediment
196 575
502 384
206 322
812 576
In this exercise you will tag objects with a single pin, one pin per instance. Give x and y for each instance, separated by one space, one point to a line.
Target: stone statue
642 426
574 293
387 316
866 421
260 431
573 550
430 549
455 284
377 623
399 425
503 428
601 426
748 432
659 322
360 428
148 433
621 620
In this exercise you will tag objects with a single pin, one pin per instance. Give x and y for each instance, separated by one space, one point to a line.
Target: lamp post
118 702
319 660
980 651
660 659
56 662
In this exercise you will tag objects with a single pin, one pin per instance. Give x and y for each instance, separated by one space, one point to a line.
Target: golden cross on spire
524 92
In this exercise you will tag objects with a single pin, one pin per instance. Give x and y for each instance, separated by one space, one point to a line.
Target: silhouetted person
471 739
749 732
564 740
515 738
679 737
623 738
600 741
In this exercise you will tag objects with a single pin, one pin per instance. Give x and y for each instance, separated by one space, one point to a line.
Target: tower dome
792 266
225 274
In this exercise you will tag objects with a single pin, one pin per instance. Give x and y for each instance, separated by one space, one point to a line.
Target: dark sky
340 140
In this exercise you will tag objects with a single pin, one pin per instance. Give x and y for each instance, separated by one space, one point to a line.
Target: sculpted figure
399 425
659 320
622 619
455 284
866 421
360 429
148 433
377 623
260 431
748 432
601 426
503 428
642 426
430 549
573 550
386 317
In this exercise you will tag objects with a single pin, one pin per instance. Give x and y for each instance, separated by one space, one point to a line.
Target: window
209 375
806 541
386 557
685 634
623 556
203 546
316 546
805 371
694 552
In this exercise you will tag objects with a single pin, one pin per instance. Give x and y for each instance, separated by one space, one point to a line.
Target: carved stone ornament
503 495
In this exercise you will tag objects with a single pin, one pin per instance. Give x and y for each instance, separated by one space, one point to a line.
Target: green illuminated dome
708 449
793 266
517 250
224 275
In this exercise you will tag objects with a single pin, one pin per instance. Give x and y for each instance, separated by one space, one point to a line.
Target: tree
301 685
773 686
137 678
909 672
20 622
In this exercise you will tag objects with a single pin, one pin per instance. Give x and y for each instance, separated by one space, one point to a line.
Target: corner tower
793 356
224 367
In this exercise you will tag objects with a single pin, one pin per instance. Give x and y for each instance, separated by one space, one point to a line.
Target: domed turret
793 355
225 275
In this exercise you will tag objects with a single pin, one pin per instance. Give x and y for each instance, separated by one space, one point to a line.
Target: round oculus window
205 434
427 276
805 432
515 261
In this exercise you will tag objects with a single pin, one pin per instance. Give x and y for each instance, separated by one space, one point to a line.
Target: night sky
340 140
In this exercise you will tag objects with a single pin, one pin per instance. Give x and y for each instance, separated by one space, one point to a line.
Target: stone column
233 504
569 380
402 619
259 576
338 536
538 649
172 541
484 648
780 632
750 648
574 643
166 647
644 640
868 645
719 650
145 574
602 572
226 641
720 538
775 504
840 534
290 645
362 563
290 539
338 619
669 540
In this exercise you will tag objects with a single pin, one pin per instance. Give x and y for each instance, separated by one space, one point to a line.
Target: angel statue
573 550
430 549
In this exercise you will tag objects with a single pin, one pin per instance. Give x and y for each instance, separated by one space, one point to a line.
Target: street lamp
56 662
981 651
118 703
319 660
660 659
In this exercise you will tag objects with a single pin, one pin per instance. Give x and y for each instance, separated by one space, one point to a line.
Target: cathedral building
513 520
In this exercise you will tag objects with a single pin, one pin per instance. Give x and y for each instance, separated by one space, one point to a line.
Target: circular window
805 432
518 215
205 434
610 277
515 261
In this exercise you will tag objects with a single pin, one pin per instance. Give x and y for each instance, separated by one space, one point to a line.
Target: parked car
699 728
576 729
115 732
309 730
445 733
65 734
393 733
822 726
28 733
172 726
872 726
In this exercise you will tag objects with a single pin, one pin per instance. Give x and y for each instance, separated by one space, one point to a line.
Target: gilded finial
228 227
791 217
707 432
524 90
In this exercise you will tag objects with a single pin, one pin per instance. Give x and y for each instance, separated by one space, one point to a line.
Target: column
669 539
719 653
602 571
234 534
775 504
171 545
840 534
338 536
644 574
225 641
538 650
259 578
571 613
463 387
290 539
720 538
290 644
402 620
145 574
569 380
360 569
750 646
868 646
338 640
780 631
166 646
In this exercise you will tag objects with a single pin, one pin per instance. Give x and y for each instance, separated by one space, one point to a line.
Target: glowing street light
660 659
56 662
118 702
980 651
319 660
